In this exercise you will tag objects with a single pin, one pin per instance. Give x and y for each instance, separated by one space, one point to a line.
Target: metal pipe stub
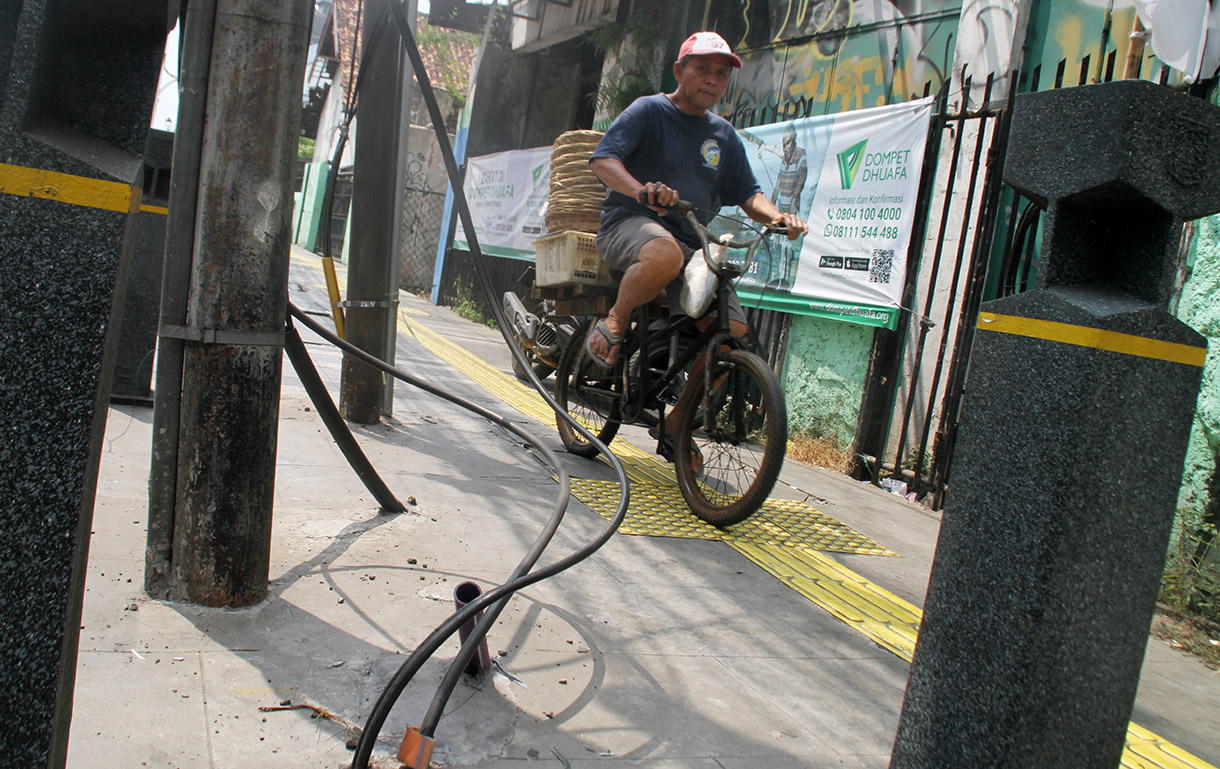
463 594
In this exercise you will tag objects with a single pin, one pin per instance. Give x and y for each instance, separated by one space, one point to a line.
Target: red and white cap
706 43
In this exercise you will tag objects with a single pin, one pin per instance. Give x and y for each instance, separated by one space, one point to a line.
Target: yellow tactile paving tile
1145 750
503 386
792 523
657 509
893 624
651 510
883 617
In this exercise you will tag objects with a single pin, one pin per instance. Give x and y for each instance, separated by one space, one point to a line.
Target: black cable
520 578
351 99
428 727
298 356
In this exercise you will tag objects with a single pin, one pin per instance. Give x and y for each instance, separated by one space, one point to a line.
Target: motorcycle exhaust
524 322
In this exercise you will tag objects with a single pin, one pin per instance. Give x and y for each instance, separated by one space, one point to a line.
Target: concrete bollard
1073 433
77 83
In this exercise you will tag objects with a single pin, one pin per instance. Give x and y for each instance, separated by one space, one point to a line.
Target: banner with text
507 193
854 178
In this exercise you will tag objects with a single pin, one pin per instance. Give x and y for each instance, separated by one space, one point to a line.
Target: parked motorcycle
543 334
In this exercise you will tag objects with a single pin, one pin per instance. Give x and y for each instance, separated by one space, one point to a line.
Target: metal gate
917 372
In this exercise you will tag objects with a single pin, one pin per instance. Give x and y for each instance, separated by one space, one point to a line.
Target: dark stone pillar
77 82
138 334
1073 433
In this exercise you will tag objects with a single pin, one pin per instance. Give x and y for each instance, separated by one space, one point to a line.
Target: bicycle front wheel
728 462
590 393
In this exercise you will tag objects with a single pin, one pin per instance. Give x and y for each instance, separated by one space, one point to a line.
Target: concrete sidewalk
657 651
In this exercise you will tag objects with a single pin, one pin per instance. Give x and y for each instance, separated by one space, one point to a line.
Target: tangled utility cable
494 600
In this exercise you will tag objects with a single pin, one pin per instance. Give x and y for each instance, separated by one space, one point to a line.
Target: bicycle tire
543 370
744 451
588 392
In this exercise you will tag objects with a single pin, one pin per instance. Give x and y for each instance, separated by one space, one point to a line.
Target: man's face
702 79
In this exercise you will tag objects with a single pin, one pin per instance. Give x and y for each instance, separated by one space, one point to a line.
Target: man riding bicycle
692 154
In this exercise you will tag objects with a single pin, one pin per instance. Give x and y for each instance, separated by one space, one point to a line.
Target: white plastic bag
699 282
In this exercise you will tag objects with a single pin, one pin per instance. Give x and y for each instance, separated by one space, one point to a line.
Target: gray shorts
619 247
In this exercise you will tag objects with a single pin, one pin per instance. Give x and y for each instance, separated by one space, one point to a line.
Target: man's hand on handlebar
659 197
794 224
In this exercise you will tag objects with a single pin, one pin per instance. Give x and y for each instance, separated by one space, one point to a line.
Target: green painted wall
824 376
307 220
1200 308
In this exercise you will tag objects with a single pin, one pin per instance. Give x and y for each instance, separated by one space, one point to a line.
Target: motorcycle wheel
541 369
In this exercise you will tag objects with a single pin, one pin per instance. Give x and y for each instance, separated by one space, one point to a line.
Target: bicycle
741 447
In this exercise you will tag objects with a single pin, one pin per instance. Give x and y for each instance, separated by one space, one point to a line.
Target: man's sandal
614 341
666 449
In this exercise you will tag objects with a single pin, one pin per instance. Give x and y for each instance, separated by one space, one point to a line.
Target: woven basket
576 193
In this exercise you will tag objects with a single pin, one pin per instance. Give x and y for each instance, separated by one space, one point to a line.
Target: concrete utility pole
372 277
232 337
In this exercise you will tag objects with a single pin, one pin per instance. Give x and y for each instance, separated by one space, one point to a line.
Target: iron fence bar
935 271
1017 243
1011 232
885 359
957 274
947 430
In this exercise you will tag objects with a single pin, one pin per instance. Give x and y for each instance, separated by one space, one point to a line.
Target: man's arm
615 175
759 208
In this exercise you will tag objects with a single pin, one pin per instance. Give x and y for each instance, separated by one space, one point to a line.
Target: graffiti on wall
1077 42
828 56
985 46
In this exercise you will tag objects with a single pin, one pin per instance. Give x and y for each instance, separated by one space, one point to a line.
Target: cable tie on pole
222 336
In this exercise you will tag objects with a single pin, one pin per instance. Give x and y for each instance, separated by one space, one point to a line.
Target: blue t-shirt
700 157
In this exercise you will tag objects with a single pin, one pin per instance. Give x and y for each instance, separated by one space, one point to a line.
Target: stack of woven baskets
576 192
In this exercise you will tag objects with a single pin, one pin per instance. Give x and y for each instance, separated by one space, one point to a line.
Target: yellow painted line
146 208
66 188
1083 336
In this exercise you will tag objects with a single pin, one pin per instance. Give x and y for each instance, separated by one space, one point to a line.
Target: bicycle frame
714 338
725 434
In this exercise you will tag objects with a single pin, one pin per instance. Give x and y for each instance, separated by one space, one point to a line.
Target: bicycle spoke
590 394
742 441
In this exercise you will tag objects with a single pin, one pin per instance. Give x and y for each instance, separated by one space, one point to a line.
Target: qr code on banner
883 262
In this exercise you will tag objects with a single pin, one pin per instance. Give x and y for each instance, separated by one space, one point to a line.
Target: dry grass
1190 636
820 452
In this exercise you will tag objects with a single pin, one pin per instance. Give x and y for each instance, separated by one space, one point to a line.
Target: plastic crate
568 257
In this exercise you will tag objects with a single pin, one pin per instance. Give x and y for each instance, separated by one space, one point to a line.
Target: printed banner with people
854 177
507 194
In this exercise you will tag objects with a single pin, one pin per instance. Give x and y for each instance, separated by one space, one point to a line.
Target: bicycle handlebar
689 208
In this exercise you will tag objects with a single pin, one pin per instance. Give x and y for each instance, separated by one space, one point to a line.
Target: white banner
854 178
507 194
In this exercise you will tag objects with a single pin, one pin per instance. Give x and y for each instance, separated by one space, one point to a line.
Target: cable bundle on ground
576 192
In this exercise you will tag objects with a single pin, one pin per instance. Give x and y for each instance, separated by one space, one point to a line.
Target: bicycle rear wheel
590 393
742 444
